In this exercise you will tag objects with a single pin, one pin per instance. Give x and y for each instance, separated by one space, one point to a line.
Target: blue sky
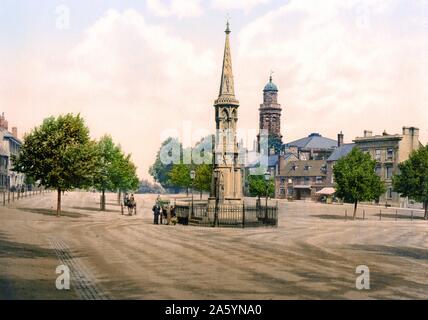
136 69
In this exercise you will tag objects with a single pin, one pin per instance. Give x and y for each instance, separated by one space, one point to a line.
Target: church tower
226 185
270 116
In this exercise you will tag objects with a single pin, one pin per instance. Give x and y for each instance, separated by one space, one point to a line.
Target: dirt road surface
313 254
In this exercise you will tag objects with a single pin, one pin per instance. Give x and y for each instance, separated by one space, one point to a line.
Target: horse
131 205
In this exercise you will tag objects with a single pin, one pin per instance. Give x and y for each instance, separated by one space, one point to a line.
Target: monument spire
227 87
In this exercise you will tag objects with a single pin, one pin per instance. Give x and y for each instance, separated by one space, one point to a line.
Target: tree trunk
187 191
119 196
426 210
200 194
103 200
58 203
355 210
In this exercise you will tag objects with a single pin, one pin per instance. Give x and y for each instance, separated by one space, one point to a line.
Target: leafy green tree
203 178
356 179
412 181
180 176
107 155
59 154
259 187
124 174
275 143
171 151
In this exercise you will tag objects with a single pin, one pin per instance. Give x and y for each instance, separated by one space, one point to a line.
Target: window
319 180
294 167
389 193
388 172
390 154
379 171
307 180
308 167
378 154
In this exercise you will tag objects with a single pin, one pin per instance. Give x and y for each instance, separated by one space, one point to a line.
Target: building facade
302 167
301 179
389 150
9 145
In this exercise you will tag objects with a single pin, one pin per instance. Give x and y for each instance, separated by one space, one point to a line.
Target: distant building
301 179
292 179
9 145
270 118
312 147
389 150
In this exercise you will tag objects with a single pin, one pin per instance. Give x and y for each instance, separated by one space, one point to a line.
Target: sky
143 70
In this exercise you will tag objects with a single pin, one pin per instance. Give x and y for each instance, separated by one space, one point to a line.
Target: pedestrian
156 213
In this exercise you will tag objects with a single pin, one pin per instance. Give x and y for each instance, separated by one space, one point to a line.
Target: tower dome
270 86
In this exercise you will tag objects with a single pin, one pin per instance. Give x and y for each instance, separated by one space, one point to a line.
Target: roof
341 151
272 161
270 86
327 191
313 141
305 168
378 138
8 135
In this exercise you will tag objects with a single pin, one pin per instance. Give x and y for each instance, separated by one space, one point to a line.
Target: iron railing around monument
237 216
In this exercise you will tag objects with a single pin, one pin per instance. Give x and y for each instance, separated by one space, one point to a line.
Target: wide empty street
312 254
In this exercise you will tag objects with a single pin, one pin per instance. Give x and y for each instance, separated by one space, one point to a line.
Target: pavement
312 254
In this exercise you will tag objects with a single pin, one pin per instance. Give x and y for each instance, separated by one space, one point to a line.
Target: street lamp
192 176
267 176
216 174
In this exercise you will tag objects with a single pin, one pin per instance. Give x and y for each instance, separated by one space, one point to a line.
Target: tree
104 178
275 143
170 150
356 179
124 173
148 187
59 154
180 176
259 187
412 181
203 178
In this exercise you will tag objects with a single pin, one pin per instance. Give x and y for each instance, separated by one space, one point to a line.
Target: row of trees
59 154
176 175
357 181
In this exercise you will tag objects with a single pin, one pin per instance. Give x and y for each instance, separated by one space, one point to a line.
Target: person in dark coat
156 213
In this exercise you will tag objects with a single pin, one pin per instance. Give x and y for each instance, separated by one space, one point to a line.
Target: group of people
164 212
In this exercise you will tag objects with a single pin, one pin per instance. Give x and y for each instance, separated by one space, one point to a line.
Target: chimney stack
340 139
15 132
368 133
3 122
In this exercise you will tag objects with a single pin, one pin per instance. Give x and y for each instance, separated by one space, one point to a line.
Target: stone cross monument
226 186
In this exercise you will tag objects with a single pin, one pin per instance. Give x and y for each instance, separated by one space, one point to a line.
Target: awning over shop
326 191
302 186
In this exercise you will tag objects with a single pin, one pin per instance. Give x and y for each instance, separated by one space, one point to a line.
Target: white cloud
179 8
245 5
127 77
341 65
